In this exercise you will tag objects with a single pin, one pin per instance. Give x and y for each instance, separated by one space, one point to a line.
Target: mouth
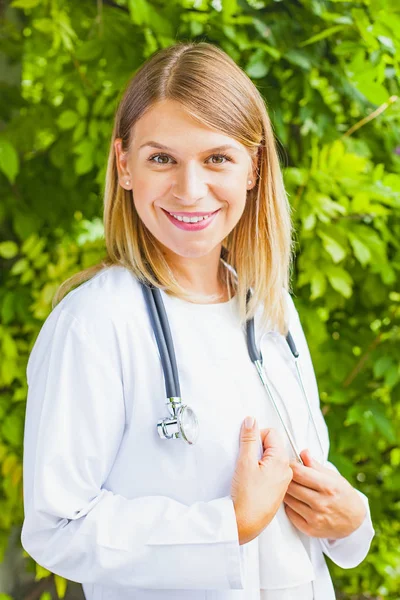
181 220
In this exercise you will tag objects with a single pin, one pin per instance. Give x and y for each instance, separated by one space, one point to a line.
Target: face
176 165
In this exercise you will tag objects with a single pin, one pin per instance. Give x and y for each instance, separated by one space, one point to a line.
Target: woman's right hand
259 485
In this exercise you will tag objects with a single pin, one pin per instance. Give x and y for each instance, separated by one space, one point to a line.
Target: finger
310 461
297 520
266 433
249 440
309 477
305 494
263 434
299 507
273 444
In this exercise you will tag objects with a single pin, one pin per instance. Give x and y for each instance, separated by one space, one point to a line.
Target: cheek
236 202
146 192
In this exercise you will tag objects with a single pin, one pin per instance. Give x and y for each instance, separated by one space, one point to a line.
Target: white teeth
189 219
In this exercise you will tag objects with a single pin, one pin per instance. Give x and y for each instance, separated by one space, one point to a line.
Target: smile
191 223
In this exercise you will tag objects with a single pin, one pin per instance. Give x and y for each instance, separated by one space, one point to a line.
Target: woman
108 502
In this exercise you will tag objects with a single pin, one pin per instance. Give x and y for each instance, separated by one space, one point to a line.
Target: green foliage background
329 71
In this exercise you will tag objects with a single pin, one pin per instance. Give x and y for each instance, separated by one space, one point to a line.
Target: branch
362 361
374 114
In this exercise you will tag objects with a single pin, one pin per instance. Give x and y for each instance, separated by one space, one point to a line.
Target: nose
190 184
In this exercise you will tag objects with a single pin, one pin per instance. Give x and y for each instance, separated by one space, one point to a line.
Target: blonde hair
213 89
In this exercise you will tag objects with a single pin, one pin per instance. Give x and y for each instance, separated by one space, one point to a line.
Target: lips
192 226
190 214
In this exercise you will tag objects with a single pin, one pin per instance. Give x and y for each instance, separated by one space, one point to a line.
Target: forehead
170 125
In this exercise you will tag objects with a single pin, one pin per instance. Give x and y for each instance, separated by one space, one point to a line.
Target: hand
259 484
320 502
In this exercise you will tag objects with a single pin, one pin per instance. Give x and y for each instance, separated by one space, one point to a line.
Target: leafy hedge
330 76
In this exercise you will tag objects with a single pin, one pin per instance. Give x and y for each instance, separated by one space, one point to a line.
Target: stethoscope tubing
162 331
256 358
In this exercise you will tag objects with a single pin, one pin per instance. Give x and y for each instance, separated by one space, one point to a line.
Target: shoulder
91 317
111 293
103 303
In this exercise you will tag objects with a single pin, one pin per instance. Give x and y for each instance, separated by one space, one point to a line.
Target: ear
253 169
125 179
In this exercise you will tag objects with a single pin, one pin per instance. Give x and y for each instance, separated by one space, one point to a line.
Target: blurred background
329 72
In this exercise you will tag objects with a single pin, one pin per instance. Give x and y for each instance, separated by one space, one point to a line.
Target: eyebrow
162 147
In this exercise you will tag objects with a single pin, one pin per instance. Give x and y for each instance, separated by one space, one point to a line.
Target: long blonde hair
213 89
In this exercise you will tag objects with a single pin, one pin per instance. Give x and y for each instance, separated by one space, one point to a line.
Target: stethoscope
182 421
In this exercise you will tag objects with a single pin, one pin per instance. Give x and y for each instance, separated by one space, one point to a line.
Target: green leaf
338 396
309 222
43 25
392 376
298 58
36 249
27 4
326 206
41 572
373 91
382 365
20 266
361 251
383 425
12 428
322 35
9 161
8 249
9 346
295 176
27 276
89 50
340 280
67 119
29 243
140 12
82 106
84 164
336 251
318 285
61 585
7 307
257 66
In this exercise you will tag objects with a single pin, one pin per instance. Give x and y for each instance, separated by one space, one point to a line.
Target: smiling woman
192 135
187 182
198 230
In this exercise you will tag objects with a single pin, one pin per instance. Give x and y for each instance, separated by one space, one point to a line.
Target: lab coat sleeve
350 551
76 527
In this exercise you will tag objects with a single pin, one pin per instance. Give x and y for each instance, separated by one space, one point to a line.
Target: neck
206 275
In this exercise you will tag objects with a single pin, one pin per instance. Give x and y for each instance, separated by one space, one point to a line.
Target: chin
191 250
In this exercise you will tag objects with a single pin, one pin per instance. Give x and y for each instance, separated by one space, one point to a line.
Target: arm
349 551
73 525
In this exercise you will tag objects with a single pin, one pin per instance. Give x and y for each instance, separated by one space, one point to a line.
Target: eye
150 159
225 157
222 155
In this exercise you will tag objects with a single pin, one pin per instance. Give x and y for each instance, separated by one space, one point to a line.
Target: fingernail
249 422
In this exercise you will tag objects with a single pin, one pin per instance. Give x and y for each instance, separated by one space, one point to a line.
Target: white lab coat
111 505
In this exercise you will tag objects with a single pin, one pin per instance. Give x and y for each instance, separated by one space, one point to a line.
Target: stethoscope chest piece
182 422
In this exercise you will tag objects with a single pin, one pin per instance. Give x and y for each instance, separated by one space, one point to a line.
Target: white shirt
111 505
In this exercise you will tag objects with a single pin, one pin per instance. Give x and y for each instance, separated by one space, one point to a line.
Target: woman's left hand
321 502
